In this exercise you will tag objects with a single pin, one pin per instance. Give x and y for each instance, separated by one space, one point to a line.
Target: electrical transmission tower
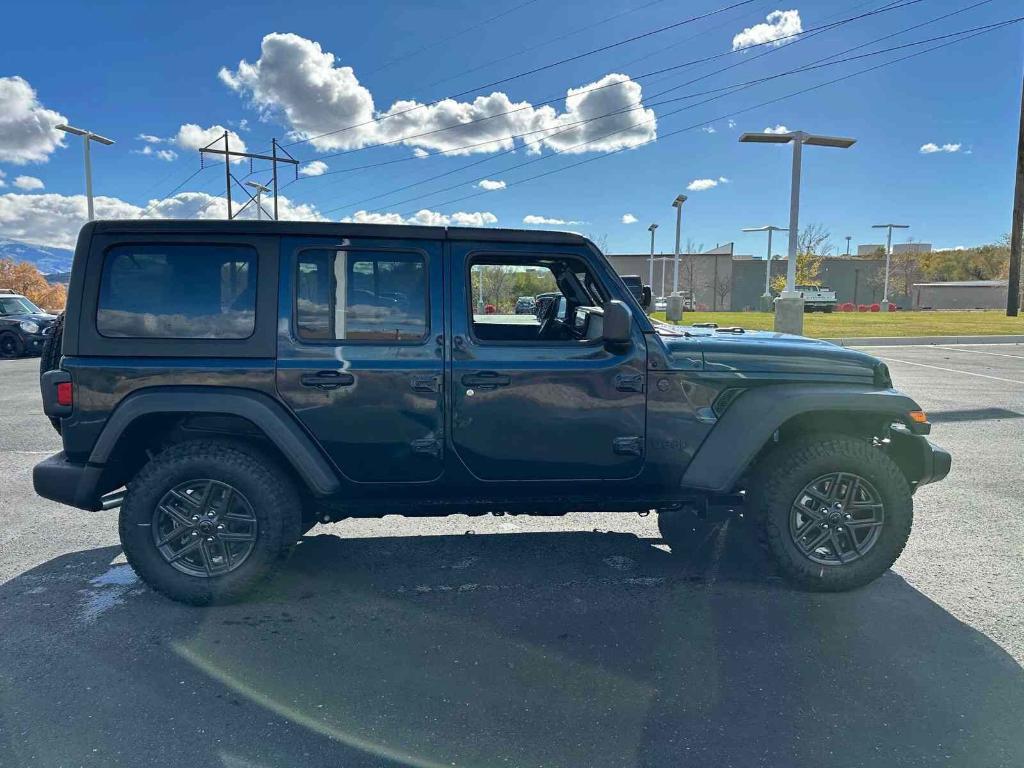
229 177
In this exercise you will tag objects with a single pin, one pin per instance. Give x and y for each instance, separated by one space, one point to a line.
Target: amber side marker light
918 416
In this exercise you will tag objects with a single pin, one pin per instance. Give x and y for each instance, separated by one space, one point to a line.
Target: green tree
814 244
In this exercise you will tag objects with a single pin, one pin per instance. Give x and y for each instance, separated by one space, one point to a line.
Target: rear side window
181 291
361 296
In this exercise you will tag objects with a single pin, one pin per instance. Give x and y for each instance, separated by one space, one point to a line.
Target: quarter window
361 296
178 292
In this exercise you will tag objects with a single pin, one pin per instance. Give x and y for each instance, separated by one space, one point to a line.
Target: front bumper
921 460
77 485
936 461
33 342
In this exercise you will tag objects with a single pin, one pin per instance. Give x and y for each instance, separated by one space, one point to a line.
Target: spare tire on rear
49 357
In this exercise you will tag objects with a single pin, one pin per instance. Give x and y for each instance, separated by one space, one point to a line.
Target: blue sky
128 69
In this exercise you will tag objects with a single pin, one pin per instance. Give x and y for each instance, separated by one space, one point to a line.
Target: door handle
486 380
327 379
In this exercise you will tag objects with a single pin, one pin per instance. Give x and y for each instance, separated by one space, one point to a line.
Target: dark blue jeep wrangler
231 384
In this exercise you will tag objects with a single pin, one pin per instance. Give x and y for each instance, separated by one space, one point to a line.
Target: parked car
227 386
817 298
23 325
641 292
544 300
526 305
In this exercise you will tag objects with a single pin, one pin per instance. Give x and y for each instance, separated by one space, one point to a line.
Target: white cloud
420 153
315 168
732 123
151 139
294 78
777 25
54 220
426 218
2 182
629 218
191 136
534 219
709 129
28 183
27 133
931 148
490 184
162 154
700 185
779 128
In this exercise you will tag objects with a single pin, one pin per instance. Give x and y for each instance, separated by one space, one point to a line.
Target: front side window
361 296
181 291
16 305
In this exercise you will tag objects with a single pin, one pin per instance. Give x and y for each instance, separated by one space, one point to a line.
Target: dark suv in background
231 384
23 325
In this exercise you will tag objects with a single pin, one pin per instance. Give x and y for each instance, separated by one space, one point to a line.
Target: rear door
535 403
360 353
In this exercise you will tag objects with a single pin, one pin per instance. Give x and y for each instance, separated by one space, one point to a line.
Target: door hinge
431 446
425 383
628 446
629 382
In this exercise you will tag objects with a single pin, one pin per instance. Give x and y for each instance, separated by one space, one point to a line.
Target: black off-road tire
268 490
785 472
49 357
687 534
11 346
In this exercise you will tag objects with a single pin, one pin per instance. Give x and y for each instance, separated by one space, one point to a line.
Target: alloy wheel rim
7 346
204 528
836 519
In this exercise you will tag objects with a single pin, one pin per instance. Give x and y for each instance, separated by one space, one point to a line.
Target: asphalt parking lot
517 641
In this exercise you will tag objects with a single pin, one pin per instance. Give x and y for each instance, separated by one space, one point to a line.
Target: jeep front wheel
837 511
203 522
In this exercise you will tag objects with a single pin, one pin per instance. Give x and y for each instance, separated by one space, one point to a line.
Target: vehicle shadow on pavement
554 649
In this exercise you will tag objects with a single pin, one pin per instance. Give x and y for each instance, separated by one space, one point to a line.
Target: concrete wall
959 296
854 280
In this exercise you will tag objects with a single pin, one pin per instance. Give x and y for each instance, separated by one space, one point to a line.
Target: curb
907 341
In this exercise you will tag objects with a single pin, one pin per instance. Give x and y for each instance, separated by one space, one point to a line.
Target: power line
172 192
982 31
729 88
805 34
533 71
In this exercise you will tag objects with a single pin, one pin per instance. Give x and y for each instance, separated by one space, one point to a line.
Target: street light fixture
260 189
87 136
768 260
791 318
888 257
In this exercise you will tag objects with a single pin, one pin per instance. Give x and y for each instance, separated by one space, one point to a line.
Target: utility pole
1016 233
87 136
229 153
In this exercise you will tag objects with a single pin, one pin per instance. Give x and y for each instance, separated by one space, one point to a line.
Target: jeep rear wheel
203 522
837 511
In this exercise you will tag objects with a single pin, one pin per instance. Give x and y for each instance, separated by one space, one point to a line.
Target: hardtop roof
335 229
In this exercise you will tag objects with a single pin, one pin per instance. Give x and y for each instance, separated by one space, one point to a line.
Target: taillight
65 395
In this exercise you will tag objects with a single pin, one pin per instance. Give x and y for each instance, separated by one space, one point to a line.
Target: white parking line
980 352
951 370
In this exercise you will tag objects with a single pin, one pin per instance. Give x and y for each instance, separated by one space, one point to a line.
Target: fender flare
263 411
749 422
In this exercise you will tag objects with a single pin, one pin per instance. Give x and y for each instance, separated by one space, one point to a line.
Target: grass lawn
852 324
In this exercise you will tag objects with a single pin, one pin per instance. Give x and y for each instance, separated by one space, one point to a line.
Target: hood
41 318
762 353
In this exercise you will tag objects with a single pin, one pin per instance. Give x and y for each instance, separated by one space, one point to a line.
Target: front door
535 392
360 357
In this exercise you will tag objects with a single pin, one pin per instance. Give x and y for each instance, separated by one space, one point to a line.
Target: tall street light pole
1017 226
674 310
650 277
87 136
789 310
768 259
888 258
260 189
848 238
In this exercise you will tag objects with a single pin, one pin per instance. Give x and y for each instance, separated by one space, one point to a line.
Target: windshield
18 305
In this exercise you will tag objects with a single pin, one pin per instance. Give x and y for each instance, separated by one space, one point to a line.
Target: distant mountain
47 260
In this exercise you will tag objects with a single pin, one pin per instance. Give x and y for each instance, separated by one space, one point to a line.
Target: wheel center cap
207 526
835 517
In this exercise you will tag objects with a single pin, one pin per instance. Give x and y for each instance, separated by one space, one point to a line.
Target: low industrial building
965 294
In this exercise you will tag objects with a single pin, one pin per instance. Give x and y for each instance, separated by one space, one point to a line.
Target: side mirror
645 300
617 326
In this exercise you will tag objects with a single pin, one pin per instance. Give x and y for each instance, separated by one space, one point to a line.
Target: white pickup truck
817 298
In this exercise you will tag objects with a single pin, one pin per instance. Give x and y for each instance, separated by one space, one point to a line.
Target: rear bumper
77 485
